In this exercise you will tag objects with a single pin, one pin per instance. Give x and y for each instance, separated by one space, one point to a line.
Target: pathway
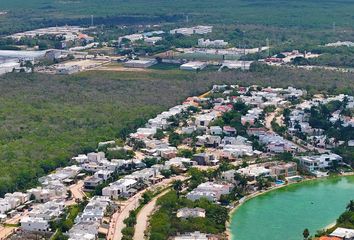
142 220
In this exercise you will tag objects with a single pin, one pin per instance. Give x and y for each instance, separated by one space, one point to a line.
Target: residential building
209 190
320 162
215 130
92 182
254 171
34 224
205 159
103 174
229 176
121 188
283 169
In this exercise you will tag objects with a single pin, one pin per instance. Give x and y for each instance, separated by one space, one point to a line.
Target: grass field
302 13
46 119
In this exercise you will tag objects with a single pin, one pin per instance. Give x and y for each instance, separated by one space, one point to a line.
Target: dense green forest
303 13
46 119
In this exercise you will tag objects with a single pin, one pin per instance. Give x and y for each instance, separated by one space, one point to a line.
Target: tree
146 197
350 206
306 233
159 134
32 197
177 186
166 173
150 161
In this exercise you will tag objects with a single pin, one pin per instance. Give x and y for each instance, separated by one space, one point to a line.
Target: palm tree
306 233
350 206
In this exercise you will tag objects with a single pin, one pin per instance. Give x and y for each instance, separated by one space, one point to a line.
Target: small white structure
191 213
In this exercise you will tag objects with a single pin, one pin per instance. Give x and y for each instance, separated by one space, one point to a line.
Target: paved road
117 220
142 220
76 190
5 232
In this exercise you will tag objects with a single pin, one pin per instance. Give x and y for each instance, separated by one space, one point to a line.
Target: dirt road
142 220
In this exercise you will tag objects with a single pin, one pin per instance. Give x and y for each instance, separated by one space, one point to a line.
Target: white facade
193 66
208 43
192 30
34 224
119 188
324 161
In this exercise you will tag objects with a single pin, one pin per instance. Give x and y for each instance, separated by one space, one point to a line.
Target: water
283 214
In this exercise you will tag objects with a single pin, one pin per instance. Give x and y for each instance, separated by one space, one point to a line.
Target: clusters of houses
273 142
130 184
218 142
12 201
39 218
299 121
88 222
274 169
54 186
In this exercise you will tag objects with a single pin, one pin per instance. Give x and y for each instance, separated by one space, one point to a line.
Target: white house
324 161
34 224
210 191
122 187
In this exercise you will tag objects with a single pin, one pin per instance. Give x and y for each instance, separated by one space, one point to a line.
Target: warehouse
7 67
244 65
193 66
140 63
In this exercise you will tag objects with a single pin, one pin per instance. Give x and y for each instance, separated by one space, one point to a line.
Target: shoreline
259 193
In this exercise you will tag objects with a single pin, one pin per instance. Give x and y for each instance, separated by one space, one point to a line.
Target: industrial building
193 66
192 30
140 63
67 70
7 67
208 43
244 65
